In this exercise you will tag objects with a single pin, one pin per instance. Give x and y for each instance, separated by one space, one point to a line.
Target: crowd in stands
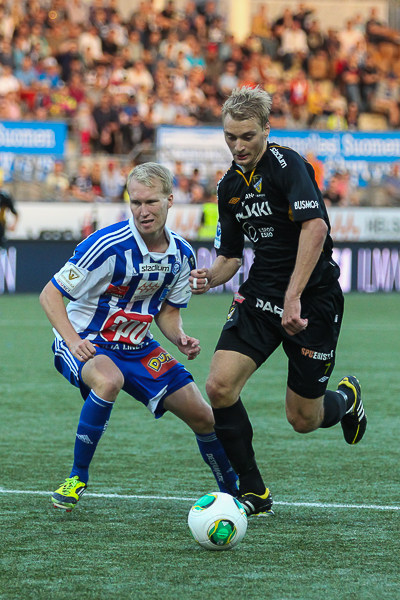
116 79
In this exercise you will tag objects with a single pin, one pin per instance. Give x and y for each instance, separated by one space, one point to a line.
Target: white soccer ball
217 521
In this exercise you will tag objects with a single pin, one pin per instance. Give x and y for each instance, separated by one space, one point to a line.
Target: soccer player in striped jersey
118 281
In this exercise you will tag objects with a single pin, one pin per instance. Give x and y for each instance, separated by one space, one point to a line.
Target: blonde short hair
150 174
248 103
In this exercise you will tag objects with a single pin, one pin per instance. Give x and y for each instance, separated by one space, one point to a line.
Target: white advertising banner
75 220
39 220
365 224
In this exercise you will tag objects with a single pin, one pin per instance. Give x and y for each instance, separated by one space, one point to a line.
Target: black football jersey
268 206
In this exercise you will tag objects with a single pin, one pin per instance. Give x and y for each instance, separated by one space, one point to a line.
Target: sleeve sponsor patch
69 277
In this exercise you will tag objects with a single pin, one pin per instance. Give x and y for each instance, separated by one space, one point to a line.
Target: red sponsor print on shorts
116 290
158 362
125 327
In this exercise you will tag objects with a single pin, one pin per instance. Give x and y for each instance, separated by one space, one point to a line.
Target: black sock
234 430
334 409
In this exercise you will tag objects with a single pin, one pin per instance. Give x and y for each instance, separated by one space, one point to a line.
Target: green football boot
68 494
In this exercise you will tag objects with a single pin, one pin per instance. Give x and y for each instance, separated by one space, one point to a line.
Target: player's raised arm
221 271
52 302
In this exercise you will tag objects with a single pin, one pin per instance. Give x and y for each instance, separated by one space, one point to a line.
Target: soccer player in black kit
291 297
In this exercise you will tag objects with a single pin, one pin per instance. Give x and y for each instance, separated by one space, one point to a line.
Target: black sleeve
300 188
8 202
229 240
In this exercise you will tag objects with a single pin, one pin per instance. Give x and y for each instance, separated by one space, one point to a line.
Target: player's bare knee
218 393
204 424
108 388
303 425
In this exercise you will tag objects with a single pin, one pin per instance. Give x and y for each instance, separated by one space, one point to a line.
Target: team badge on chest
257 183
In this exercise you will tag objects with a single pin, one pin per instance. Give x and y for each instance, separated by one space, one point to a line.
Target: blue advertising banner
366 156
372 147
38 137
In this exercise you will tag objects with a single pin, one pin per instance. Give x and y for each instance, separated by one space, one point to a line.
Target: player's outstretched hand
291 320
189 346
198 281
83 350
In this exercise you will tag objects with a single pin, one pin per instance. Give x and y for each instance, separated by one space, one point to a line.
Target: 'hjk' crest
257 183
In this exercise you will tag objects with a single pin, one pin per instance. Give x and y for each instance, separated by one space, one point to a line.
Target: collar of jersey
142 246
240 172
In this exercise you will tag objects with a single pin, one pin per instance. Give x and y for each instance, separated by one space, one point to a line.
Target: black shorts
254 328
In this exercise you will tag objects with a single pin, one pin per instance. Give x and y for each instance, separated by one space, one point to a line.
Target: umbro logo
84 438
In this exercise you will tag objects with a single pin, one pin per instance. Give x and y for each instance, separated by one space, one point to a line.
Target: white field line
183 499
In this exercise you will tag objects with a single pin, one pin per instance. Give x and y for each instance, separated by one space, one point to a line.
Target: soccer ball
217 521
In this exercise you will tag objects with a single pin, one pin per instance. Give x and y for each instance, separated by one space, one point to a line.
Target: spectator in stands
140 77
376 32
6 53
82 186
135 47
8 81
96 179
351 80
90 39
353 116
386 98
197 193
57 183
228 79
337 120
261 28
279 113
112 182
107 125
332 195
78 12
315 37
391 185
294 46
369 78
11 107
349 38
181 191
50 72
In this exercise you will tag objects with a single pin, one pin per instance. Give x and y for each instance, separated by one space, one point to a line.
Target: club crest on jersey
176 267
257 183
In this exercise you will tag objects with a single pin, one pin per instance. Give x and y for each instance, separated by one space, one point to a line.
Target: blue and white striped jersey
116 286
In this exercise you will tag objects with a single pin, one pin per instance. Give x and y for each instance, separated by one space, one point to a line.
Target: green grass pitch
125 546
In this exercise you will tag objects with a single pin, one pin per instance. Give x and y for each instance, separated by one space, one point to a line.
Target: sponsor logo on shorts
154 268
303 204
269 307
317 355
238 298
158 362
231 311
